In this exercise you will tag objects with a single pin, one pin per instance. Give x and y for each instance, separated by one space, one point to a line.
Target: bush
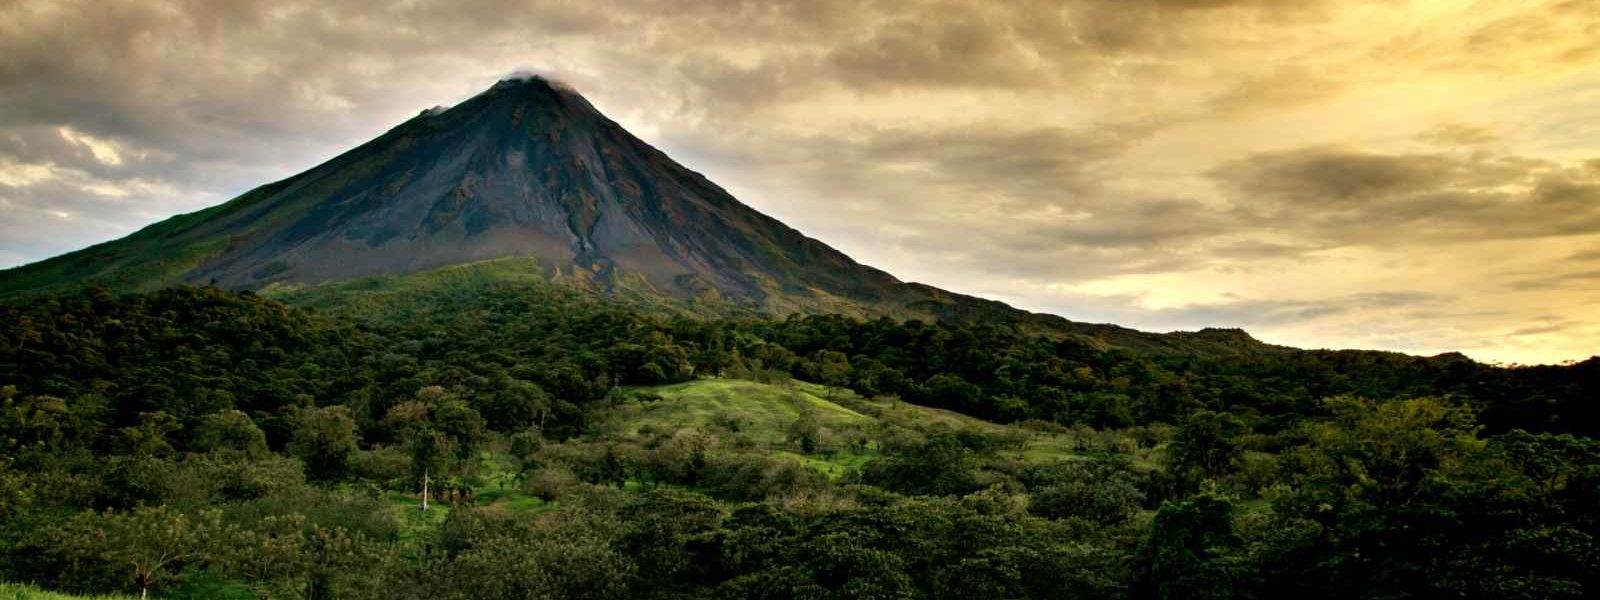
1257 471
389 467
754 478
550 482
942 465
228 431
1105 491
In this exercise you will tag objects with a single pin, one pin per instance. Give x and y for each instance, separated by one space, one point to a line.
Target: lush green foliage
195 443
13 591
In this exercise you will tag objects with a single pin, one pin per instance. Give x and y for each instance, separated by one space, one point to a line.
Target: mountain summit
528 168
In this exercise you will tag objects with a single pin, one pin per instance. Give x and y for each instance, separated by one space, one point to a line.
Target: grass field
391 298
748 417
760 412
17 591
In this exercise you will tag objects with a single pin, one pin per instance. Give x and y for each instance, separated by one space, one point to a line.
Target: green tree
325 440
667 537
1193 551
1402 499
441 432
150 543
508 556
16 492
229 431
939 465
1381 453
833 370
431 453
1100 490
341 559
948 390
678 458
31 421
149 437
270 555
525 447
1209 443
806 431
1554 462
611 469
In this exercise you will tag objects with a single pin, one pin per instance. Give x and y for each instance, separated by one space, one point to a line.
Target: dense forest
192 442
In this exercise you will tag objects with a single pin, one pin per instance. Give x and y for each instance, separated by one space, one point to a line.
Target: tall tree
229 431
440 429
832 369
325 439
270 555
1209 443
151 543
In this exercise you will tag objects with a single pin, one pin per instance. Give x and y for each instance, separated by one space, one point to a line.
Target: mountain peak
532 87
517 79
527 168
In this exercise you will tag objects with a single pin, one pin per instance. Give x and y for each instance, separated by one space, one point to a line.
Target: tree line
193 441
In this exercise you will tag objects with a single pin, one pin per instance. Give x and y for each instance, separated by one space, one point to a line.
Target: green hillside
758 419
505 177
760 412
191 438
401 298
17 591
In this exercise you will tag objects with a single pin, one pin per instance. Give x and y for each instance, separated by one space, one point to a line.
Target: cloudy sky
1415 175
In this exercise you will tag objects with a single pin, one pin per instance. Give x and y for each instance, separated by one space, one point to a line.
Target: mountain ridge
528 168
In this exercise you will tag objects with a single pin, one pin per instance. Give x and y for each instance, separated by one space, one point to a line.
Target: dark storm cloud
201 100
1242 312
1283 87
971 43
1583 279
1547 325
207 80
1350 196
1023 202
1266 313
219 95
963 48
1564 30
1451 135
48 144
1049 166
1585 255
1258 250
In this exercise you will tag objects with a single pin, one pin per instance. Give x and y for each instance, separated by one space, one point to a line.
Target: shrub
550 482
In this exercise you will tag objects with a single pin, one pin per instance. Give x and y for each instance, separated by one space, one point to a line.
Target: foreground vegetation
13 591
194 443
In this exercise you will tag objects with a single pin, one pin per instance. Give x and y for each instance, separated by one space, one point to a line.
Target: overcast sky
1417 176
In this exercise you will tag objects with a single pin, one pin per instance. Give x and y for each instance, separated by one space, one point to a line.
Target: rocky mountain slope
527 168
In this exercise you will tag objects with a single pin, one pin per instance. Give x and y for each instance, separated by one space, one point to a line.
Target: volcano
527 168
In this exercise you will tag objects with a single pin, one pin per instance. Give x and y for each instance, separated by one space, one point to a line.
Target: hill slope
527 169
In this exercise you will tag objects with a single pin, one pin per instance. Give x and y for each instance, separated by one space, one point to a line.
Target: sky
1419 176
